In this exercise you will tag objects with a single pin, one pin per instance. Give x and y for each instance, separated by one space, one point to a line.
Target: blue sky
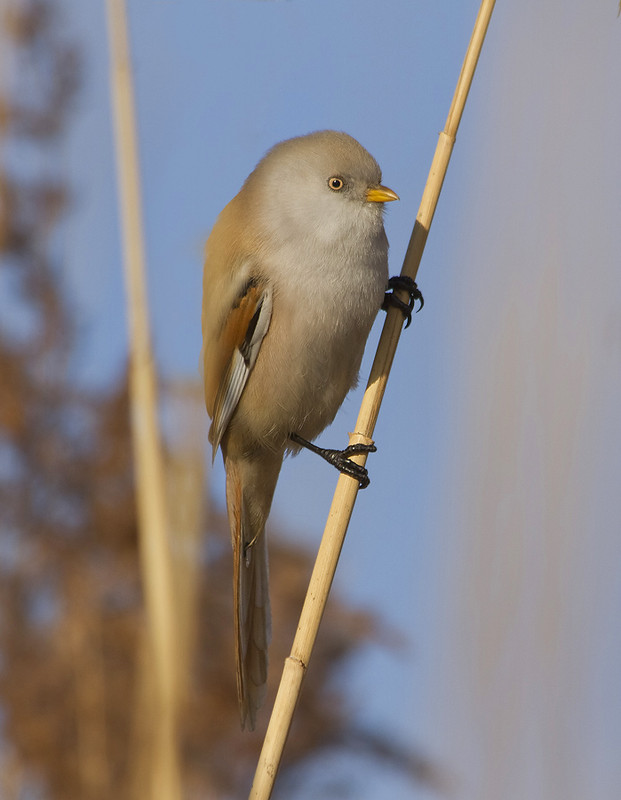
504 396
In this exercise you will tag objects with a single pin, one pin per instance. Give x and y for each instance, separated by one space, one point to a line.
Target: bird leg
408 285
340 458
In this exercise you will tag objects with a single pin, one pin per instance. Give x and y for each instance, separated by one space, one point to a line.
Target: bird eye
336 183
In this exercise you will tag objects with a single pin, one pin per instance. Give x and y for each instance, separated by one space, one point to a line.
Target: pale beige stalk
347 488
148 462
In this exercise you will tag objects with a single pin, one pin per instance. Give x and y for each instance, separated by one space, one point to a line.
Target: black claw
340 458
408 285
391 299
356 449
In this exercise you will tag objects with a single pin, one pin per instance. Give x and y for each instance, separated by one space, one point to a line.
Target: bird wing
229 359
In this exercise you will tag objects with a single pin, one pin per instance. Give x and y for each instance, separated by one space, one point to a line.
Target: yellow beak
380 194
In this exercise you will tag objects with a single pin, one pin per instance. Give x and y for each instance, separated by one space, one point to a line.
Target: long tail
250 485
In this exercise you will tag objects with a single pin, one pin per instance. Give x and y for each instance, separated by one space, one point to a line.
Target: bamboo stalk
347 487
148 462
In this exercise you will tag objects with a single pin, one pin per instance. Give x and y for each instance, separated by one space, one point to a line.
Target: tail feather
252 628
250 488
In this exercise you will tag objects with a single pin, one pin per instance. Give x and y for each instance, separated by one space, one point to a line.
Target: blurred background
472 645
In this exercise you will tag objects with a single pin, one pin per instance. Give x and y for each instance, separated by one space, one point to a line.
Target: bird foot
341 458
408 285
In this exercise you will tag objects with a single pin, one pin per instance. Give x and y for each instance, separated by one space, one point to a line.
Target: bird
295 272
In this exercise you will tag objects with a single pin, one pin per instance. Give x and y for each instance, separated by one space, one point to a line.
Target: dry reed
347 487
156 568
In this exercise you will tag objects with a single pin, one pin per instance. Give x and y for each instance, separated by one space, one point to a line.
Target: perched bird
295 272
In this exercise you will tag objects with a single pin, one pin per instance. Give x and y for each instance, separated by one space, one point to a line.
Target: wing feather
230 360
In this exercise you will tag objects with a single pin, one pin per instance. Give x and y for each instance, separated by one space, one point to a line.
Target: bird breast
323 308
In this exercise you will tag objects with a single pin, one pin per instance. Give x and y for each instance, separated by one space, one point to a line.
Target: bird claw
341 458
405 283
